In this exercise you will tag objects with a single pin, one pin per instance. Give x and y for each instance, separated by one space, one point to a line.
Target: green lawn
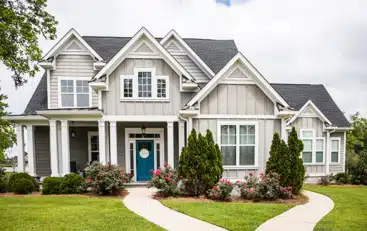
350 211
231 216
68 213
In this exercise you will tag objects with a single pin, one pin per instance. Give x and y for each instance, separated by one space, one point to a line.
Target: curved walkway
302 217
140 202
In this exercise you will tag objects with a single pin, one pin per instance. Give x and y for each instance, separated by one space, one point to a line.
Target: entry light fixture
143 130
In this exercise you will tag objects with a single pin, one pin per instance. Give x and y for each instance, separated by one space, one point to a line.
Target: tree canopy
7 135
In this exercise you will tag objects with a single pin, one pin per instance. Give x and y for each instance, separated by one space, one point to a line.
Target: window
93 146
238 144
74 93
144 85
313 147
335 149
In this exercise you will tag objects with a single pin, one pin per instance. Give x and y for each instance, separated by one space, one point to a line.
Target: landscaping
350 208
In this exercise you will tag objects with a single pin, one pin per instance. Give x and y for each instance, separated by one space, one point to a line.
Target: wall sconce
143 130
72 134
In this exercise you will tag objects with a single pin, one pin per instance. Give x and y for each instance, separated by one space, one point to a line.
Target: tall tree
298 171
21 23
7 135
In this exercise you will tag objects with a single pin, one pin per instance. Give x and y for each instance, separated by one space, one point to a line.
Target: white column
113 142
65 147
189 129
327 152
181 136
20 148
30 151
170 150
283 128
53 149
102 141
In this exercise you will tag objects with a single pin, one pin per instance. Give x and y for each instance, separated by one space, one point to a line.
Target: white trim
189 112
319 113
48 89
170 144
25 117
258 117
70 112
97 86
214 82
65 150
331 149
31 151
74 79
345 150
256 145
102 141
100 102
314 146
339 128
328 156
113 142
141 118
98 65
90 134
20 148
53 149
181 136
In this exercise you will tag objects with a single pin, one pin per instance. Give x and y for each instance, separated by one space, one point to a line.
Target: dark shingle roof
39 97
297 95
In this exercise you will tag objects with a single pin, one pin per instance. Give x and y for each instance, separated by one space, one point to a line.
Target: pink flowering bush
106 179
166 181
222 190
265 187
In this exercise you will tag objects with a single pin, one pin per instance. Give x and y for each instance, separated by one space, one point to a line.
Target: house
132 101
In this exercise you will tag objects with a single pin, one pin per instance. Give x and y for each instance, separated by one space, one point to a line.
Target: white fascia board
189 112
69 112
142 118
97 86
339 128
65 38
121 55
318 112
215 80
201 63
47 65
24 117
98 65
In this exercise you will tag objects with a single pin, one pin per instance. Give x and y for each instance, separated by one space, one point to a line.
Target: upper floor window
74 92
335 150
144 85
313 147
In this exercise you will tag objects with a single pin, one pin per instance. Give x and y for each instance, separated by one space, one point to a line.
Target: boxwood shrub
23 186
17 176
72 183
51 185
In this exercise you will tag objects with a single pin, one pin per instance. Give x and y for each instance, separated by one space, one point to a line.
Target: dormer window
74 93
144 85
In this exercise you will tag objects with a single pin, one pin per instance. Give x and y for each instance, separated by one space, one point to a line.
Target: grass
68 213
231 216
350 211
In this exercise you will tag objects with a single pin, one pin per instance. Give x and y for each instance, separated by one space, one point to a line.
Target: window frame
238 145
314 140
331 149
74 79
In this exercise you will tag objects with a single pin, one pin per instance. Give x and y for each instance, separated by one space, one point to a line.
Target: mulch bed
120 195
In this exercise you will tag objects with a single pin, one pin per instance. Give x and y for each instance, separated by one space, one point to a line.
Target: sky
288 41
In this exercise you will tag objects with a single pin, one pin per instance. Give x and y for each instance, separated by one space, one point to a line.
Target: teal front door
144 159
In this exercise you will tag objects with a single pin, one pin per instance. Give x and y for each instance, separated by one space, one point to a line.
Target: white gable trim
121 55
237 58
192 54
65 38
318 112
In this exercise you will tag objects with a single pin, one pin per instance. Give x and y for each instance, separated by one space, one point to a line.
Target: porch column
30 151
102 141
189 125
283 128
181 136
113 142
327 152
170 151
20 148
65 147
53 149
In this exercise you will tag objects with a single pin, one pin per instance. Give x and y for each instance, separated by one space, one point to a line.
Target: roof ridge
206 39
310 84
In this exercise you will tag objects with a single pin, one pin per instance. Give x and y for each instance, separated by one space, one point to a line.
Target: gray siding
42 150
230 99
336 168
117 107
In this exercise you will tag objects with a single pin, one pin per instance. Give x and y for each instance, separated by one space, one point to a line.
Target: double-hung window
335 150
238 143
313 147
74 92
144 85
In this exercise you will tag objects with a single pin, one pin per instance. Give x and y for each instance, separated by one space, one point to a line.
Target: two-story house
132 101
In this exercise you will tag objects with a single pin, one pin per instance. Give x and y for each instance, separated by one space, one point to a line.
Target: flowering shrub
106 179
267 187
222 190
166 181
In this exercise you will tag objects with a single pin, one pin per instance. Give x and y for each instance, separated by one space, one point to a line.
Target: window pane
307 145
307 134
82 100
319 157
228 134
67 100
67 86
334 157
335 145
251 129
229 155
144 85
82 86
319 145
247 155
161 88
307 157
128 88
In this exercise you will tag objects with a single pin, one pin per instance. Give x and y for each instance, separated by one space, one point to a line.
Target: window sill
334 163
313 164
240 167
144 100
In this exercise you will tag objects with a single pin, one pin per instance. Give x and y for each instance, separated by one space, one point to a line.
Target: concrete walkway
140 202
302 217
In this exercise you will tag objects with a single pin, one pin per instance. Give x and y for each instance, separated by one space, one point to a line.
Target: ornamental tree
7 135
297 169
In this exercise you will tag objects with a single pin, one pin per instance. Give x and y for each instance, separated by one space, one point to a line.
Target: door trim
90 134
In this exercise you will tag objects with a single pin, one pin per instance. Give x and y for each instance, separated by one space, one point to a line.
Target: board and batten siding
267 128
42 150
237 99
71 66
113 105
336 168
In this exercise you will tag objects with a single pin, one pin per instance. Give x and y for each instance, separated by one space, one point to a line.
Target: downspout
187 124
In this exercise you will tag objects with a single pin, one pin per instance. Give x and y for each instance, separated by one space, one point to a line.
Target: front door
144 159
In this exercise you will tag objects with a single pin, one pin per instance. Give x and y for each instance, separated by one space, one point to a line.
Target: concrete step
142 184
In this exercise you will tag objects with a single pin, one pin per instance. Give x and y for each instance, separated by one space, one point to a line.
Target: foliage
166 181
342 178
267 187
222 190
72 183
200 163
23 186
2 172
297 171
326 180
2 185
21 175
51 185
7 135
21 23
106 179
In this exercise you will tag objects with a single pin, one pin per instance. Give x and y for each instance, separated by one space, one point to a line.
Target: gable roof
297 96
314 108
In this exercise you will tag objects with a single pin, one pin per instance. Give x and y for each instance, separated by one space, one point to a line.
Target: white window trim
135 86
314 146
90 134
237 123
75 93
331 149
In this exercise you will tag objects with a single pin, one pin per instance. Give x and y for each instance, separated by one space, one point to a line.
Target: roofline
309 102
75 111
25 117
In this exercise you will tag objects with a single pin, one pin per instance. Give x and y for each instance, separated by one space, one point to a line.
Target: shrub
72 183
2 185
23 186
16 176
325 180
342 178
222 190
51 185
357 167
106 179
2 172
200 163
267 187
297 170
166 181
